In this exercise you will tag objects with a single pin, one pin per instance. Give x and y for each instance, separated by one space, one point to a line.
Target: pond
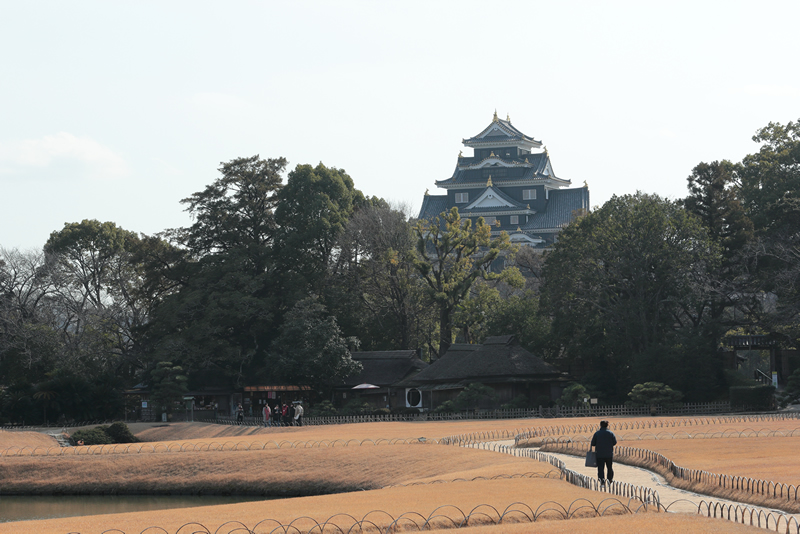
24 508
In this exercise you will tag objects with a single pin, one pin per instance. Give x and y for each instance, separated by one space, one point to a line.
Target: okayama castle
512 187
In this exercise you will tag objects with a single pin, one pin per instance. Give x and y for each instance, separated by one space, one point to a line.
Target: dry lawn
395 501
282 472
766 458
680 427
626 524
313 470
19 440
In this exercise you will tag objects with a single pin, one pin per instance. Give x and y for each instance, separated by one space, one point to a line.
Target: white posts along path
649 487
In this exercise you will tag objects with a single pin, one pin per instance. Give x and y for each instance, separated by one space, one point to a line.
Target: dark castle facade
509 181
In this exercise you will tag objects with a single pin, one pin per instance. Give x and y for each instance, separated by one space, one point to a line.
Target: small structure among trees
500 363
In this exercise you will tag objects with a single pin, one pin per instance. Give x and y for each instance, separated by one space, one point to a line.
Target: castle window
490 220
515 219
462 198
529 194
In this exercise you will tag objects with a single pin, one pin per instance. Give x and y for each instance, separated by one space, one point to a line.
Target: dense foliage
281 275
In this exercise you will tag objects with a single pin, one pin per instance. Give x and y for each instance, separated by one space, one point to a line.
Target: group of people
285 415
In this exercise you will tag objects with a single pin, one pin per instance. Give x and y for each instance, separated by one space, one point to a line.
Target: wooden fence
527 413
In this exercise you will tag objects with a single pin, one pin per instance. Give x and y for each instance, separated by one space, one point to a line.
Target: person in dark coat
603 442
291 415
276 416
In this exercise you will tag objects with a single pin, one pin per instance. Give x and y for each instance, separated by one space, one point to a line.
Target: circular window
413 397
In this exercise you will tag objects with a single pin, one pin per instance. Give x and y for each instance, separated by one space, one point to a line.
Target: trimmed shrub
120 433
517 403
757 397
91 436
104 435
323 409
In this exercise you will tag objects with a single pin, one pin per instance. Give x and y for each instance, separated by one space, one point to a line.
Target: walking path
675 499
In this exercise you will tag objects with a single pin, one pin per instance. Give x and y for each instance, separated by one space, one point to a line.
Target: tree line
278 281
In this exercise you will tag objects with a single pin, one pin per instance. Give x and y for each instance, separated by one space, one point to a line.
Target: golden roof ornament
492 155
526 160
519 229
495 119
585 185
508 118
426 192
460 153
489 181
529 206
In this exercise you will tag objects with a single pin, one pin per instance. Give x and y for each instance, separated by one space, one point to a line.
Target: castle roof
501 133
562 205
433 205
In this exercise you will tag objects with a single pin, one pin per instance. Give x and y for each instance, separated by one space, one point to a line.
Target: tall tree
451 255
29 341
378 286
235 214
622 282
96 293
714 192
521 315
714 198
771 195
771 178
220 315
312 212
310 350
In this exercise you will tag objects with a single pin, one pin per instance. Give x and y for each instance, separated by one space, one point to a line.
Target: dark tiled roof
561 207
432 206
500 194
498 359
537 162
384 368
513 134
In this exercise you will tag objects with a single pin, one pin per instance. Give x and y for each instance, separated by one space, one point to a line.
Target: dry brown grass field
627 524
420 499
282 472
31 440
766 458
674 426
297 471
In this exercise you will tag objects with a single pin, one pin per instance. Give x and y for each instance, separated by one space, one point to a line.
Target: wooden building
499 363
375 384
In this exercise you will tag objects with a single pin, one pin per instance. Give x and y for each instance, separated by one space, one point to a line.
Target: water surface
24 508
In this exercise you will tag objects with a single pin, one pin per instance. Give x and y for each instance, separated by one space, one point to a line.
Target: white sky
117 110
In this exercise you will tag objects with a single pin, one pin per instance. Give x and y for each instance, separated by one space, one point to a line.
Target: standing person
298 415
267 415
239 414
603 442
276 416
291 414
285 415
